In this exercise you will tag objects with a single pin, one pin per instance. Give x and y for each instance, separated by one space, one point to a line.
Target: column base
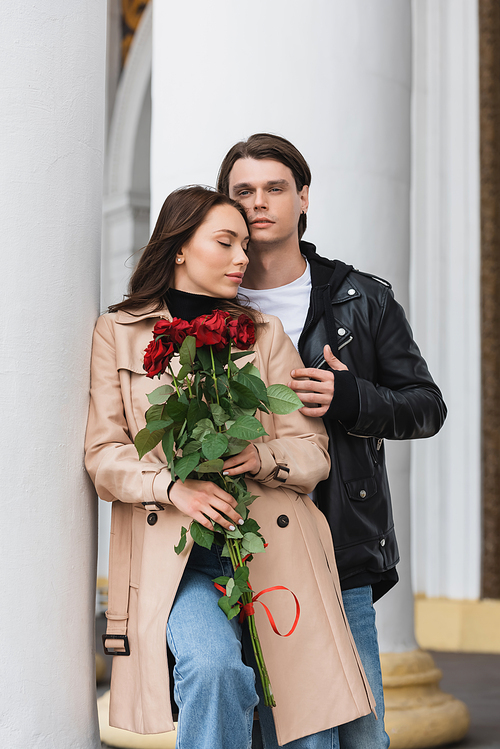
118 738
417 713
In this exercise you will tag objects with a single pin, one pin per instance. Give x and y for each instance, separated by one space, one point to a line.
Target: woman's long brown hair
181 214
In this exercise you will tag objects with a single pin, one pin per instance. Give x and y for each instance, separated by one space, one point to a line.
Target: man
363 375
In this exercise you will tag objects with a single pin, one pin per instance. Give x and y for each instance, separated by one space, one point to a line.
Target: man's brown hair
267 146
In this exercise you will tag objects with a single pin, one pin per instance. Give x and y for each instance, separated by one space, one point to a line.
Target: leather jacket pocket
361 489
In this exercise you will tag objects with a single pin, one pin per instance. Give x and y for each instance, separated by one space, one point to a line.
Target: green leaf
183 466
234 534
183 372
187 351
219 415
176 410
250 526
243 396
211 466
237 411
239 354
196 412
255 384
184 397
214 445
222 580
282 400
146 441
161 394
222 385
192 447
182 541
252 543
241 576
230 611
168 446
229 586
247 428
182 439
225 551
157 413
235 446
203 427
201 535
251 369
204 356
153 426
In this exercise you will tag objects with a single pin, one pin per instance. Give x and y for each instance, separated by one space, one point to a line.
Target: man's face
267 191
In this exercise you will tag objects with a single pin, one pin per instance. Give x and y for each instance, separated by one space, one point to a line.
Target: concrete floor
473 678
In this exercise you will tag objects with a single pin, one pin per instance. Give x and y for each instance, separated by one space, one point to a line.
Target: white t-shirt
290 303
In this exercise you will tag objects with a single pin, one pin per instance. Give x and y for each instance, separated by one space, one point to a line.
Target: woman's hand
202 500
247 461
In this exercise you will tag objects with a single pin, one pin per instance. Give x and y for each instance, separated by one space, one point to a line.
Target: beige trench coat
316 674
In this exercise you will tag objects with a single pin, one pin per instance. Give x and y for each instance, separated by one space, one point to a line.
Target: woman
194 263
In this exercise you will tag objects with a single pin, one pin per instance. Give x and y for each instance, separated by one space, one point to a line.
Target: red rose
179 330
242 332
157 356
211 330
174 331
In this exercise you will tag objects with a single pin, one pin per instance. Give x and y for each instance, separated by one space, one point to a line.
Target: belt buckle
113 651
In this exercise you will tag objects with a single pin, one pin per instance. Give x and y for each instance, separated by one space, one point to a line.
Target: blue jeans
365 732
214 689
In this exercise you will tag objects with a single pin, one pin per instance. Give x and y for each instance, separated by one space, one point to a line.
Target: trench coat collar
126 318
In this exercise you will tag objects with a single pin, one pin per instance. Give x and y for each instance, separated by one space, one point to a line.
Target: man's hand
316 385
247 461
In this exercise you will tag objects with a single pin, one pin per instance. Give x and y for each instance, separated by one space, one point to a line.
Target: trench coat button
152 518
283 521
382 542
362 494
351 292
341 331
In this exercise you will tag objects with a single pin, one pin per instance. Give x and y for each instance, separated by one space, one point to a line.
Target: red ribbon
248 608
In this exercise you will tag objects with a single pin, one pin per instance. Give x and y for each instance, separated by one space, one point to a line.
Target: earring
179 259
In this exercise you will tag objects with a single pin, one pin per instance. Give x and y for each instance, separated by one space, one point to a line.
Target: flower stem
214 375
174 379
234 546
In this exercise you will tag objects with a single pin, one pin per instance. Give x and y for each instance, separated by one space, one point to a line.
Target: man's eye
244 193
276 189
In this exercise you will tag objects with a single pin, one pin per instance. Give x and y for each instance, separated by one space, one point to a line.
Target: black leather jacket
387 394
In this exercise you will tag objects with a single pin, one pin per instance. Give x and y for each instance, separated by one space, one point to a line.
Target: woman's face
214 260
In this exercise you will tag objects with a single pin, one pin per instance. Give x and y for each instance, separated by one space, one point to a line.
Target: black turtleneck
188 306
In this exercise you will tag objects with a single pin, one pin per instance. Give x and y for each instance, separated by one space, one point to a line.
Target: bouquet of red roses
204 417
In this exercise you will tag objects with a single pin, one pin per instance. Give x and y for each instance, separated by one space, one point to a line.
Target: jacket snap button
283 521
152 518
362 494
351 292
382 541
341 331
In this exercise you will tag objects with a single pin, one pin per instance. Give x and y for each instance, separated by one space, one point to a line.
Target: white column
51 144
445 293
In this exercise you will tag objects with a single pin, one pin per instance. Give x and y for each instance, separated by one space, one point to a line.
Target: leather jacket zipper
374 448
